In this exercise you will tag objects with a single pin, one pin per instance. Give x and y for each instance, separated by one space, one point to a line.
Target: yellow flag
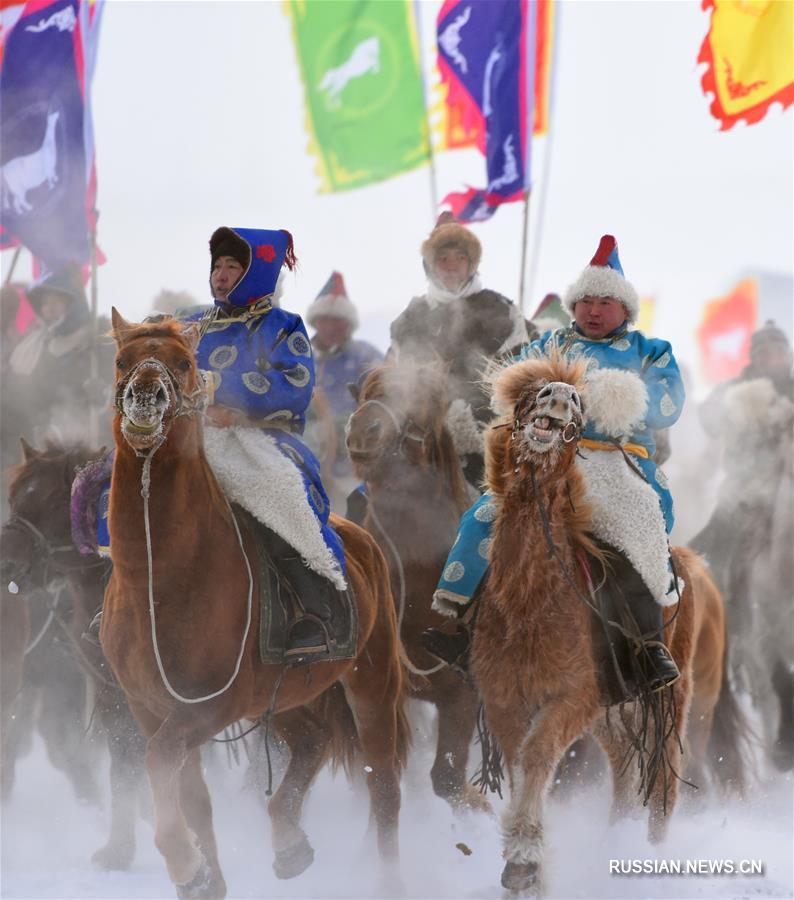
749 54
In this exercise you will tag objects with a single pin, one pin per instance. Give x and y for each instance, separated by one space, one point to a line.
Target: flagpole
14 261
547 154
524 242
93 417
430 153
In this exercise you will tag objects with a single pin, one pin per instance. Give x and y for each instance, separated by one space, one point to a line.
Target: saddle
292 595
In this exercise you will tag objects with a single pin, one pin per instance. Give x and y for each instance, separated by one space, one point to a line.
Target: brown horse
181 631
61 589
401 448
532 655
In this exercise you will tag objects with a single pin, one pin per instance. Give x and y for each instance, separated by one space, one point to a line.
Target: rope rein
145 491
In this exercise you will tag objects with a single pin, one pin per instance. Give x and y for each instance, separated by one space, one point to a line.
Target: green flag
359 60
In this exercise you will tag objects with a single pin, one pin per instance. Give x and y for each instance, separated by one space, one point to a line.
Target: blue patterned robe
652 359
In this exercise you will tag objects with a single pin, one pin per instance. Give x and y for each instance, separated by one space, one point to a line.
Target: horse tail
731 741
333 709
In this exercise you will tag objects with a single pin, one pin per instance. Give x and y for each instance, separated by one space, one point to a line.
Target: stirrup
91 634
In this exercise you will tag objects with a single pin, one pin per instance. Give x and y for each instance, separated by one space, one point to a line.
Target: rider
258 364
603 305
462 324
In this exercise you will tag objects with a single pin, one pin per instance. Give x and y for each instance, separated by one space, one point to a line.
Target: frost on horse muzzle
554 419
143 402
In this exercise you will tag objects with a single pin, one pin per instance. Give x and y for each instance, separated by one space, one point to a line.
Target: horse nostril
160 396
544 393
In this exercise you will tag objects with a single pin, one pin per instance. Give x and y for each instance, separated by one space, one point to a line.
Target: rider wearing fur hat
633 387
462 325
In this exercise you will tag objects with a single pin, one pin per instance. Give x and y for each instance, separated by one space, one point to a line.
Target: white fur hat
604 278
332 301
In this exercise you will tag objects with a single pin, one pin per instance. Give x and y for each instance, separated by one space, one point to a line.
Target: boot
310 597
655 660
357 505
453 649
635 665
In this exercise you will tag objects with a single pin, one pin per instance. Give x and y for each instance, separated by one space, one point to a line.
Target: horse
747 542
180 628
61 590
532 653
401 448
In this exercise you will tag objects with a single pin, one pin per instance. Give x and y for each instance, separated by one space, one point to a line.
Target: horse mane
69 456
426 386
519 382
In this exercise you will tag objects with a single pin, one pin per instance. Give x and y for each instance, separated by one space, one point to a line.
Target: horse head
539 402
36 539
400 413
157 379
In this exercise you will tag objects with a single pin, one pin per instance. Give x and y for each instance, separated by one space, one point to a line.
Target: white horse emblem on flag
26 173
450 40
364 58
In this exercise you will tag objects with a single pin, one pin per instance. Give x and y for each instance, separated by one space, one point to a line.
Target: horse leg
307 739
457 717
665 789
167 752
783 748
62 726
613 738
197 808
532 765
126 746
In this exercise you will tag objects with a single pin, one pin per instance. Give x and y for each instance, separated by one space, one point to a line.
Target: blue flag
486 49
48 182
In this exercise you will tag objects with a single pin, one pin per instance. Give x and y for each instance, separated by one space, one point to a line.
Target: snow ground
47 841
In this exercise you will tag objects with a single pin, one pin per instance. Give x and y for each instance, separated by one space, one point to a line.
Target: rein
185 405
400 427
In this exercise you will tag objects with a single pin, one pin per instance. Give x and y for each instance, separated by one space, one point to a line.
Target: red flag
725 330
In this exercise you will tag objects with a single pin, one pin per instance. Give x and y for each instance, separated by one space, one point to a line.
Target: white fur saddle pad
253 473
627 515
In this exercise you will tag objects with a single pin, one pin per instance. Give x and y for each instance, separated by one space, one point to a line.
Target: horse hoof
204 885
294 860
114 857
520 877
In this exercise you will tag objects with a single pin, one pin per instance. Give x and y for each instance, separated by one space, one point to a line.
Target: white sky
199 119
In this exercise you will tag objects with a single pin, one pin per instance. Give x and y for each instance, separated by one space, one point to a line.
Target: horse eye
184 365
120 364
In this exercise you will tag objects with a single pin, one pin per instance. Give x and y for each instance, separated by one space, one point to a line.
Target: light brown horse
401 448
180 616
532 654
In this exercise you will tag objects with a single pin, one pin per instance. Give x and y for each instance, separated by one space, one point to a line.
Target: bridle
406 430
44 550
184 404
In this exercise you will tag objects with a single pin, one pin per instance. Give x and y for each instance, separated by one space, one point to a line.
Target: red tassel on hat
290 260
605 248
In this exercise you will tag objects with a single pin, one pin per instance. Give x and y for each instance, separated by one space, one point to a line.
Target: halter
402 428
43 548
185 404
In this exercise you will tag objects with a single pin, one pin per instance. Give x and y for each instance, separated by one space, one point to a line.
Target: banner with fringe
749 57
364 93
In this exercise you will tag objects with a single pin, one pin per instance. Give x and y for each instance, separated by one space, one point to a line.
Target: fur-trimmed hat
604 278
448 232
332 301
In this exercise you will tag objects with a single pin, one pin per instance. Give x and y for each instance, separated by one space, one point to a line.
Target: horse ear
355 390
192 335
28 452
121 326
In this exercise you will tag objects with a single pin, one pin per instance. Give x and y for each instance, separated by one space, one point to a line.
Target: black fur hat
224 242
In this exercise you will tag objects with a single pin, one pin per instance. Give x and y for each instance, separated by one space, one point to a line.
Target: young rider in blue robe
258 365
603 305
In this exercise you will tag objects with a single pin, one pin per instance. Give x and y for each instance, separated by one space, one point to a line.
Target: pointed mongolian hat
604 278
332 301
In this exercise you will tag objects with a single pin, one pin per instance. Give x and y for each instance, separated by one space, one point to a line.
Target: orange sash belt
635 449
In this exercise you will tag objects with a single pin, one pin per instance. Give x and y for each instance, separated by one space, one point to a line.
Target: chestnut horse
62 589
401 448
532 654
181 623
